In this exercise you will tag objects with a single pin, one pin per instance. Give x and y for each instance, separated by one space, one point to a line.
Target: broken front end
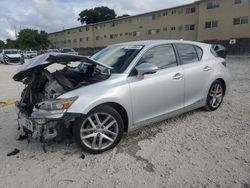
42 114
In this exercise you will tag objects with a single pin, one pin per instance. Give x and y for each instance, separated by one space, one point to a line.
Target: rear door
197 73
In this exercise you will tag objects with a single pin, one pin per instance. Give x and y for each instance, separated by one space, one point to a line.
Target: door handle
177 76
207 68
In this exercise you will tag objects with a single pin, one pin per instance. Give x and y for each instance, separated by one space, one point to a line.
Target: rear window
187 53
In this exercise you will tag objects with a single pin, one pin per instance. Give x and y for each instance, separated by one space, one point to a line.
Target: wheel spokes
105 121
109 125
110 132
91 122
94 141
99 130
97 119
106 137
89 136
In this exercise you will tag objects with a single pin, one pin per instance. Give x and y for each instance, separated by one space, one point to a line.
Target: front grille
14 60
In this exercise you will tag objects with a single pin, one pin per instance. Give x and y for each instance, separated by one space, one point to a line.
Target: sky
55 15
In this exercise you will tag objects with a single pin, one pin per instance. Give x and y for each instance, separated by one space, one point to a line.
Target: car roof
9 49
155 42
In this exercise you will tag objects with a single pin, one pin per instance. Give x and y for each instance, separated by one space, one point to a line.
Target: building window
87 38
87 29
173 12
240 20
165 28
97 38
213 4
80 39
153 31
80 29
189 27
69 41
113 36
241 1
113 24
172 28
136 33
74 40
211 24
190 10
165 13
152 17
136 20
97 27
68 32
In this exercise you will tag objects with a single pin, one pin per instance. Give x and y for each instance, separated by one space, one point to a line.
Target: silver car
119 89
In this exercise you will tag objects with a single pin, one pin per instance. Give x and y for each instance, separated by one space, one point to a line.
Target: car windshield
67 50
117 56
11 51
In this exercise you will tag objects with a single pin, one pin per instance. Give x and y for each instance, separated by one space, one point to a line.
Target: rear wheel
215 96
99 131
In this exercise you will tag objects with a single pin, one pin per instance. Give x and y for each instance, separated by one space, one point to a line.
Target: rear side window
199 52
187 53
162 56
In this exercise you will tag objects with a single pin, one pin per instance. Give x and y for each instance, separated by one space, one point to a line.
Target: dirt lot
196 149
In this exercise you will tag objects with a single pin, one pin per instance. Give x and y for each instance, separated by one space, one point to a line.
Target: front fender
94 95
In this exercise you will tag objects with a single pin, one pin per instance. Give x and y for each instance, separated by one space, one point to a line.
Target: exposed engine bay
40 114
42 85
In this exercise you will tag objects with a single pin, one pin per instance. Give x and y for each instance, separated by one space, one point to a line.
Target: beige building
205 20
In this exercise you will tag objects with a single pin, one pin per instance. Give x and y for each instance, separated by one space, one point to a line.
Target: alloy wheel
99 131
215 95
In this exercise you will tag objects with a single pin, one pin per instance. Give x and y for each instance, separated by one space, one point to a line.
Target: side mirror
146 68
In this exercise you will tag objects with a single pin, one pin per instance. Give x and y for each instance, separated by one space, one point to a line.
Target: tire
215 96
108 130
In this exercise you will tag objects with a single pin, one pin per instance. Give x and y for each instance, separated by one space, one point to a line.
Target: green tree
10 43
2 44
97 14
32 39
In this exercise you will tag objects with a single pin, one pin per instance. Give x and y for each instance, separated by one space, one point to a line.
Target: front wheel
215 96
100 130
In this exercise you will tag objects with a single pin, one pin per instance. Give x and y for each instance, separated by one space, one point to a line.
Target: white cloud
53 15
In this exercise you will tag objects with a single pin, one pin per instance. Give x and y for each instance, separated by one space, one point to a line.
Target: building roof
127 17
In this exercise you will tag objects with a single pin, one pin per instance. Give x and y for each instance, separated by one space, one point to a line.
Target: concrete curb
7 102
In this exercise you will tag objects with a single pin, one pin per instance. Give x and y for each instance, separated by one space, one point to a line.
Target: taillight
224 63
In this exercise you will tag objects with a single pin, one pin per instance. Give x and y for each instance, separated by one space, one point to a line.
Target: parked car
53 50
119 89
11 56
29 54
69 51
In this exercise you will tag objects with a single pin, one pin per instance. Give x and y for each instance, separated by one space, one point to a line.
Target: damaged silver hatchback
119 89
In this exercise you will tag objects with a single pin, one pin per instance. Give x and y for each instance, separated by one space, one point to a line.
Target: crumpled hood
44 60
13 55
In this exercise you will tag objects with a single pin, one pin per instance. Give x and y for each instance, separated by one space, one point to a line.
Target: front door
159 93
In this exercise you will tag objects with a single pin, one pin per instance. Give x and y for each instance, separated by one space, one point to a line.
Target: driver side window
162 56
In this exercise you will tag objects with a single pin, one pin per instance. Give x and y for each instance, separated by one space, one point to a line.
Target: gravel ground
196 149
